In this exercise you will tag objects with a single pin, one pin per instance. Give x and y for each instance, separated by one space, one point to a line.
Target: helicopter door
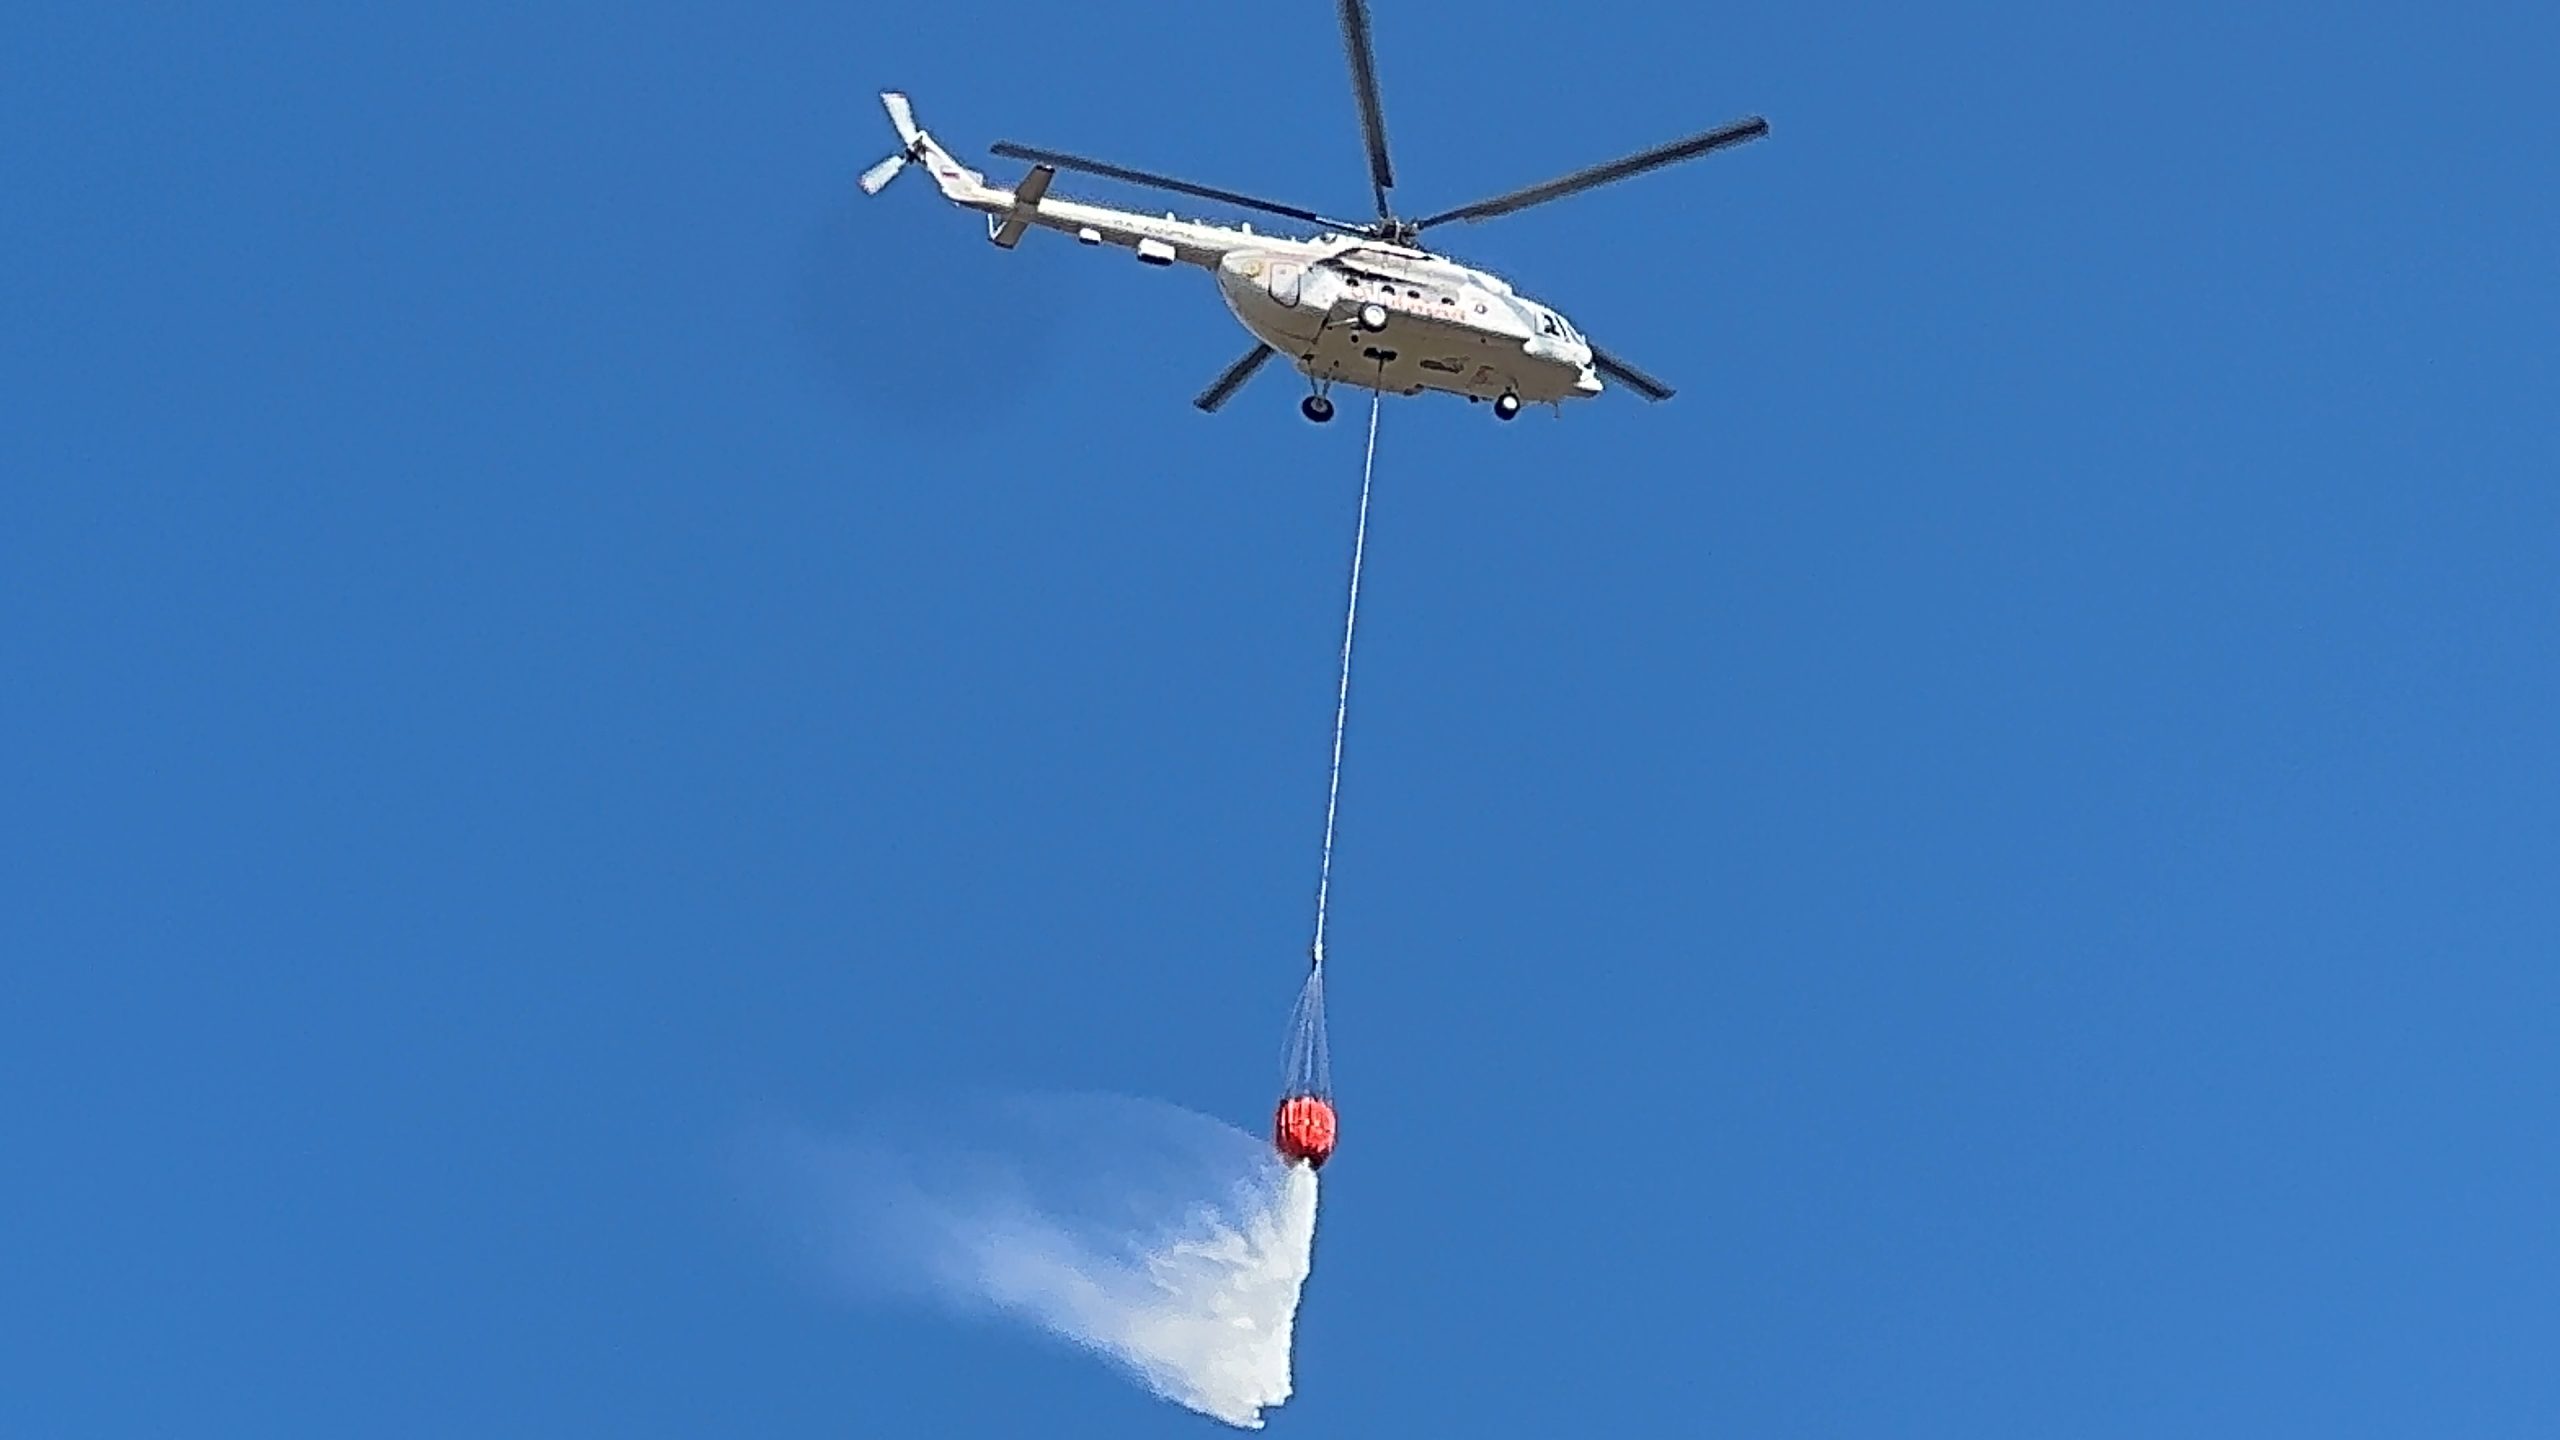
1284 281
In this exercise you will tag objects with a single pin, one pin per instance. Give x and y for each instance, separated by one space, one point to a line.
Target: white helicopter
1359 303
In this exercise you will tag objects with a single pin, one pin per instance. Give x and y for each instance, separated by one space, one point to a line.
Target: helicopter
1360 303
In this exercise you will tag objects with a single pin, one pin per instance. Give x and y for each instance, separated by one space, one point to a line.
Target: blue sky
1985 871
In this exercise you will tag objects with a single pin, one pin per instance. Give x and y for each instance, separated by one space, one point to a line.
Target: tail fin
957 180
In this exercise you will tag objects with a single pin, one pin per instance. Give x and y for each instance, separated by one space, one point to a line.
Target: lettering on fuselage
1432 309
1434 304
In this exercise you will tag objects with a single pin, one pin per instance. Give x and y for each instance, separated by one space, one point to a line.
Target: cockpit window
1547 322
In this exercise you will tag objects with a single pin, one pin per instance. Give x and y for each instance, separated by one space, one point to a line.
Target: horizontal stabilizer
1007 231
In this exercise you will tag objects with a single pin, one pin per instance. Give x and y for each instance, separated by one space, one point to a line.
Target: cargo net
1303 1128
1306 1065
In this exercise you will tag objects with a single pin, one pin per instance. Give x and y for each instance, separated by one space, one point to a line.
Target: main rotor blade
1238 373
1628 375
1064 161
1580 180
1364 88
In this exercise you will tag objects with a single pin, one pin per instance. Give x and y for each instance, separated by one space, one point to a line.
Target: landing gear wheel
1506 407
1373 316
1316 408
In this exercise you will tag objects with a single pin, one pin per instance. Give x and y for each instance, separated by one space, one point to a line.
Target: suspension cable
1342 691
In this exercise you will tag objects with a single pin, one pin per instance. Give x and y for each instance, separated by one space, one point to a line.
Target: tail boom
1158 240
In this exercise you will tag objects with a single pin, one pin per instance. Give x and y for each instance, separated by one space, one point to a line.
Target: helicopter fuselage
1342 308
1358 311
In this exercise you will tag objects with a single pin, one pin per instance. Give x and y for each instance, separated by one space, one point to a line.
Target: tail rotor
878 176
910 145
902 116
